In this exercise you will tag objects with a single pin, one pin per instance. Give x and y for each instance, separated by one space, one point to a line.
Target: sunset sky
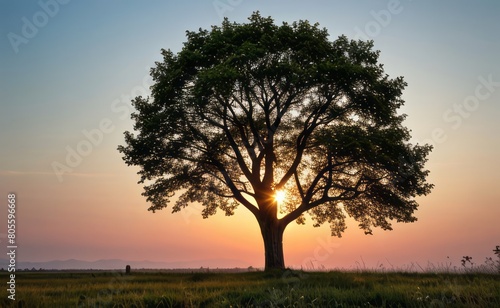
68 70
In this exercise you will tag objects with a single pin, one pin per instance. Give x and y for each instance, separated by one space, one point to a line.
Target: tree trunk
272 234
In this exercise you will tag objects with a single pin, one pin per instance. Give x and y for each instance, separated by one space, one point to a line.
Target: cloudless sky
69 69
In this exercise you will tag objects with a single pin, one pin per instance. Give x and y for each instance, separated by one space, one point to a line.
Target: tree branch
237 193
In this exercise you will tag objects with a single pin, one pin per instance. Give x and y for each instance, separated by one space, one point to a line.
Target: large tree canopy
245 110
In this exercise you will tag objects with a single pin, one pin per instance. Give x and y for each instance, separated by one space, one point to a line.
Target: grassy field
254 289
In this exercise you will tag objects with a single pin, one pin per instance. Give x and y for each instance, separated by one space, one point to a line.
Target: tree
246 110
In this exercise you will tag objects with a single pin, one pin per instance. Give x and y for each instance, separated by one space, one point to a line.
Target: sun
279 196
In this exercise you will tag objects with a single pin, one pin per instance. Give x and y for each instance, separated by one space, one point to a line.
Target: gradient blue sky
86 61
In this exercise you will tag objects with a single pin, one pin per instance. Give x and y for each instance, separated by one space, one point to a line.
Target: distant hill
111 264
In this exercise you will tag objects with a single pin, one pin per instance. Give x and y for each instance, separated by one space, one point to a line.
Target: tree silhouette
246 110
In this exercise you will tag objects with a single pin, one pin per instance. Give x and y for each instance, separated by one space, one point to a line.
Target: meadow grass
255 289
